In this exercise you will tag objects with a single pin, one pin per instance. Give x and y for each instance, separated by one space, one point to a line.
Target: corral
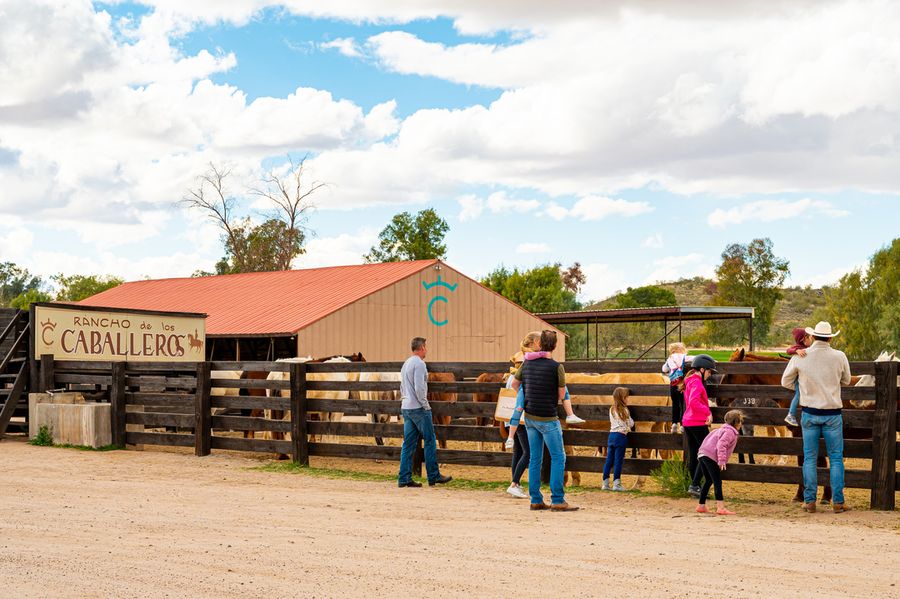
179 397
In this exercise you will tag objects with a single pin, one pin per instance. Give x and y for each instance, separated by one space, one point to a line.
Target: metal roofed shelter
664 314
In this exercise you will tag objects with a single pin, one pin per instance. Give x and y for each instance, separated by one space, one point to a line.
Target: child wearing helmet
697 416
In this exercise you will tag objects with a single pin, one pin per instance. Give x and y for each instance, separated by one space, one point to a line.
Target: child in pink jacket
697 417
714 453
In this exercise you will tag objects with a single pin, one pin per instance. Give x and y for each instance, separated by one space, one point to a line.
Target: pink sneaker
724 512
701 509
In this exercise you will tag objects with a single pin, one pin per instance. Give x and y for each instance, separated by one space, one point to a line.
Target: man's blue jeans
832 429
417 424
542 433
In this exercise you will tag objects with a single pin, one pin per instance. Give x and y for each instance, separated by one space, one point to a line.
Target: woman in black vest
545 387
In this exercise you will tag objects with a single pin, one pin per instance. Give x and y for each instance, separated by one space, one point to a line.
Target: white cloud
336 251
672 268
532 248
593 208
345 45
829 277
772 210
601 282
472 207
499 203
654 241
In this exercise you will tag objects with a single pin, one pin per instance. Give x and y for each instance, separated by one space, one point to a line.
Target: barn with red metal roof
370 308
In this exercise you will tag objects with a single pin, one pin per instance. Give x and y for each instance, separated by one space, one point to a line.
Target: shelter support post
666 338
750 331
587 340
884 437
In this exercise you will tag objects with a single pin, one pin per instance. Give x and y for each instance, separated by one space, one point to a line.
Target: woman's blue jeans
541 433
832 429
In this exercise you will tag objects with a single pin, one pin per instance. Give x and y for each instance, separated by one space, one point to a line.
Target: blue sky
637 142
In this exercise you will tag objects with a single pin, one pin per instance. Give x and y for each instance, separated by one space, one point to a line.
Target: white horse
868 380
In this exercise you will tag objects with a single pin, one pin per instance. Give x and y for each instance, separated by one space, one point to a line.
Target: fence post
117 403
47 374
202 411
299 438
884 437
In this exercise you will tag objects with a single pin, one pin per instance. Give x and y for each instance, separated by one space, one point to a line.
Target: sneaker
509 443
617 485
791 420
694 491
516 491
724 512
701 509
605 486
573 419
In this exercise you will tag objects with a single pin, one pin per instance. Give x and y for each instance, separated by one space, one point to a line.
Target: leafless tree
271 245
292 204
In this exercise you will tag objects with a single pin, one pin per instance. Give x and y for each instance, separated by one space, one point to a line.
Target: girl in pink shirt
697 417
714 454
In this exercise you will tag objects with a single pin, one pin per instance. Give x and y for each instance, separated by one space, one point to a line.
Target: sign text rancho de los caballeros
72 332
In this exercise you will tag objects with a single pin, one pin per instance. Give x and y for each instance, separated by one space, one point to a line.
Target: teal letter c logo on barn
438 298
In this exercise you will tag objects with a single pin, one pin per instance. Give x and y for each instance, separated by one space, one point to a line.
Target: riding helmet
704 361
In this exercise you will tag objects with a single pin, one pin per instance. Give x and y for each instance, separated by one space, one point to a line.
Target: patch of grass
456 483
87 447
44 438
672 477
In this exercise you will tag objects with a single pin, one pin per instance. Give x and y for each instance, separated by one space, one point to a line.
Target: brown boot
540 506
810 507
563 507
840 508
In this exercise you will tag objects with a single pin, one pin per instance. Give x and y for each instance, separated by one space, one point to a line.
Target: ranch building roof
260 304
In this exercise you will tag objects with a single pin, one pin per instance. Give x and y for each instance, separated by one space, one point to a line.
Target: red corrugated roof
260 303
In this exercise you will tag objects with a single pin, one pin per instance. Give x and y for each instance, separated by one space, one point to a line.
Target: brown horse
441 377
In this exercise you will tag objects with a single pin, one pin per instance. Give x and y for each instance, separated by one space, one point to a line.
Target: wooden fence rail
179 398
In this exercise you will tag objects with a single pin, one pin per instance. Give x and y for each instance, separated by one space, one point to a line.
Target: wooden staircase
14 348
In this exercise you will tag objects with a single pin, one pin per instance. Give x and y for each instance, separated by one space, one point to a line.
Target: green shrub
44 437
672 477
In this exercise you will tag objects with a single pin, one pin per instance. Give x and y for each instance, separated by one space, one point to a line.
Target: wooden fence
178 398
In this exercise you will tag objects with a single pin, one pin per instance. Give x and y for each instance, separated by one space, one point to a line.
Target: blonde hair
734 417
530 341
620 403
677 348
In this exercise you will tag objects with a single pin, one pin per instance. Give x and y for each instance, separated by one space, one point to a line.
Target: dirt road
153 524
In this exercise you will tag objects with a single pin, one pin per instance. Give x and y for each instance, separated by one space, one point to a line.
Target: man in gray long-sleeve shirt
417 421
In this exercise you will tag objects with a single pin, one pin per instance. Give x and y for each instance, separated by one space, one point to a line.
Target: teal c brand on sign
438 298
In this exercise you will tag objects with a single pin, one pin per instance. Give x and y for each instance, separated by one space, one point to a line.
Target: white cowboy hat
823 329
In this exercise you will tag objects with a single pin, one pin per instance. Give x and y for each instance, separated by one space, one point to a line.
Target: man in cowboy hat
820 376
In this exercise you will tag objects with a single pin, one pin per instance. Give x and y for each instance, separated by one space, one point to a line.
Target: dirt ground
168 524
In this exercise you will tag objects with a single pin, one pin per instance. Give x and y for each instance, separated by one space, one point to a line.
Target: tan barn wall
481 325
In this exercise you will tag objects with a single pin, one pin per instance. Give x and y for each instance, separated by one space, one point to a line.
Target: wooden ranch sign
77 333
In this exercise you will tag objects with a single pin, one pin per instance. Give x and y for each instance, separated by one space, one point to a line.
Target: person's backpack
676 375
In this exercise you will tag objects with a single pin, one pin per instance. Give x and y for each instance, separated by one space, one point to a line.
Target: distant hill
795 309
